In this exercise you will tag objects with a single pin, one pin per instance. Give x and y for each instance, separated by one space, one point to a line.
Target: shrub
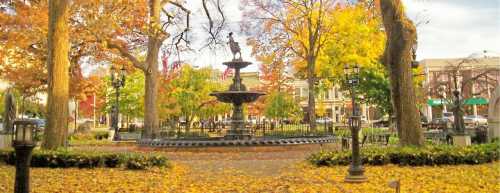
66 158
414 156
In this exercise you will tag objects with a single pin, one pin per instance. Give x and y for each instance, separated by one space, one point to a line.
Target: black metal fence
264 130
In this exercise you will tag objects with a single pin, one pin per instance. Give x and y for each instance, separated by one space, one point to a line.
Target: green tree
280 105
374 86
131 99
189 94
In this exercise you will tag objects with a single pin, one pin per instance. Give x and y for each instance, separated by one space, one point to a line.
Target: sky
455 28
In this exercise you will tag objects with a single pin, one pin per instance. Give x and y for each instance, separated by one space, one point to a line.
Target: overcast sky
456 28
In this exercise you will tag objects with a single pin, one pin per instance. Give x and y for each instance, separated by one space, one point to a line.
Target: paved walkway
271 160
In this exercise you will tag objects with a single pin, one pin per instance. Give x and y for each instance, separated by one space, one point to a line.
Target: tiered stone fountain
237 95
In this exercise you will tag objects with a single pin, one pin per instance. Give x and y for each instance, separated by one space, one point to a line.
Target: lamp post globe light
117 81
23 141
355 171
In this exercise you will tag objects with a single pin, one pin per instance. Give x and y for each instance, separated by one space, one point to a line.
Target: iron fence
264 130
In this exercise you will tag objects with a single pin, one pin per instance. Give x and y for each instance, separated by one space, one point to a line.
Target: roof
438 64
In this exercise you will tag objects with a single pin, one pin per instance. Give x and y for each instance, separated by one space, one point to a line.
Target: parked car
475 120
423 121
440 123
324 120
381 123
40 123
449 116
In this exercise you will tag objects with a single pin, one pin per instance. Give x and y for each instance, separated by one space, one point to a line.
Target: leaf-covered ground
300 178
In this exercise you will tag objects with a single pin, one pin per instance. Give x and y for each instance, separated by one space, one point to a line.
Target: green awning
476 101
436 102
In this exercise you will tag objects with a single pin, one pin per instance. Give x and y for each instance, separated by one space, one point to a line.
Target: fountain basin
237 64
237 97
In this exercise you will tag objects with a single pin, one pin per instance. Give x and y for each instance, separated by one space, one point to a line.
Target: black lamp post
117 81
356 171
23 142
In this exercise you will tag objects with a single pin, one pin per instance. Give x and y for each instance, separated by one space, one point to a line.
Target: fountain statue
237 95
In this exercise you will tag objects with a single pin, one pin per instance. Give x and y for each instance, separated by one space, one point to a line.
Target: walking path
270 160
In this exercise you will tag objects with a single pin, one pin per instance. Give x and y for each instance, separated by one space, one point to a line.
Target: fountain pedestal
237 95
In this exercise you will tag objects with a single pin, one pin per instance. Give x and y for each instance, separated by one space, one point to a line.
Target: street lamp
356 171
117 81
25 132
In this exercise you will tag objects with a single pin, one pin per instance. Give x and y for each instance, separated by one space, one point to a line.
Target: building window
297 94
305 92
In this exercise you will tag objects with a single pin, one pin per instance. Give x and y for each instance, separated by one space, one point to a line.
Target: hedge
66 158
413 156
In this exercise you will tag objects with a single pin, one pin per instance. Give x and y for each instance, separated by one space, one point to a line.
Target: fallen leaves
302 178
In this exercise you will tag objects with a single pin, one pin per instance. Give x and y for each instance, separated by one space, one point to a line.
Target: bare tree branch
125 53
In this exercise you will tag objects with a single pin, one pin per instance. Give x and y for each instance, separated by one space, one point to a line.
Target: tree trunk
58 71
151 123
401 36
311 103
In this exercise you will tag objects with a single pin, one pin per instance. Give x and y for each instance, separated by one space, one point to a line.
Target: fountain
239 134
237 95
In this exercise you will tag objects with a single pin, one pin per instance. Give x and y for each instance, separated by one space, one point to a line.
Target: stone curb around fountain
252 142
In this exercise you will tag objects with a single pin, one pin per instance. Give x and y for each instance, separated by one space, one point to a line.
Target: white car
475 120
324 120
449 116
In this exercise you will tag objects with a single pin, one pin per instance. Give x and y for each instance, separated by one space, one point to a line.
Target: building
482 71
336 102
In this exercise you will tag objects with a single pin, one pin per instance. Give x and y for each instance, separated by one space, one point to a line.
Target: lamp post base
355 179
23 158
355 175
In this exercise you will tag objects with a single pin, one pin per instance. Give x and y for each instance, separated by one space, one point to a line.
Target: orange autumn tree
25 51
23 28
137 31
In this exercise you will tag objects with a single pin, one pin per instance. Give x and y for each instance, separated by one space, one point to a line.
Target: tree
374 86
356 38
189 95
294 29
131 99
126 28
23 26
279 105
401 41
58 79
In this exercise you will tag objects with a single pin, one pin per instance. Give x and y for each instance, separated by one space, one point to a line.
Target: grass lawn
300 178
